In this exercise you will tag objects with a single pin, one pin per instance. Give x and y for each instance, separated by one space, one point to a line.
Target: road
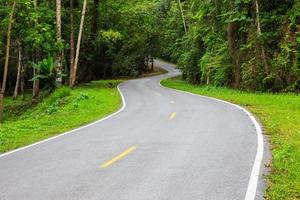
163 145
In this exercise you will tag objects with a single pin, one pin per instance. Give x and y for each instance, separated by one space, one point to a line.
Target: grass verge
63 110
280 115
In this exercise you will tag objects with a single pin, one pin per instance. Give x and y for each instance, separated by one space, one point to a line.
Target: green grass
63 110
280 116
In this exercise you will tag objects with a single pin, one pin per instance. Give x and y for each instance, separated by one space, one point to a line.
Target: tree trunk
232 30
218 9
183 18
147 63
78 43
59 40
22 82
152 63
2 92
258 27
1 106
36 83
19 71
72 45
95 18
234 52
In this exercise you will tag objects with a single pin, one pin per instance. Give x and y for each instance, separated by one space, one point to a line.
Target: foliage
234 49
47 74
57 113
120 38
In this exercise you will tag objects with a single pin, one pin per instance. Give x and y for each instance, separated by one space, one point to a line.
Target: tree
3 87
258 25
73 76
19 70
234 52
72 45
94 23
36 83
59 40
182 16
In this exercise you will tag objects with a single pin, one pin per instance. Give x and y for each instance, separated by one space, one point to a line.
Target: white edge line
72 131
253 182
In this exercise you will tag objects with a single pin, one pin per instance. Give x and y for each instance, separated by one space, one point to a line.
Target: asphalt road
163 145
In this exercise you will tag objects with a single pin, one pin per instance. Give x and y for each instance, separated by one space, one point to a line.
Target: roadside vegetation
48 44
249 44
280 116
52 53
63 110
48 48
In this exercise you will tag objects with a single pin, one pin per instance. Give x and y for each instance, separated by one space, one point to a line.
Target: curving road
163 145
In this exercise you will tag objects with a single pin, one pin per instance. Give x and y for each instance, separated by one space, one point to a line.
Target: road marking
72 131
119 157
173 102
255 173
173 115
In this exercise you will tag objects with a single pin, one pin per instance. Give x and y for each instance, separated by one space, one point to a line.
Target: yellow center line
173 115
115 159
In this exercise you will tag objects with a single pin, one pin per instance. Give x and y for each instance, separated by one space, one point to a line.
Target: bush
59 94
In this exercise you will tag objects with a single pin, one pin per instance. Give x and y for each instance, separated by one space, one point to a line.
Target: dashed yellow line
119 157
173 115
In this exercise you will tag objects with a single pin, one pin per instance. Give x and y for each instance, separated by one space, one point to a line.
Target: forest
245 44
45 44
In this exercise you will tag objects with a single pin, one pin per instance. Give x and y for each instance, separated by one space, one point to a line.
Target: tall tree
19 70
59 41
72 45
94 27
232 37
182 16
73 76
2 92
258 26
36 82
